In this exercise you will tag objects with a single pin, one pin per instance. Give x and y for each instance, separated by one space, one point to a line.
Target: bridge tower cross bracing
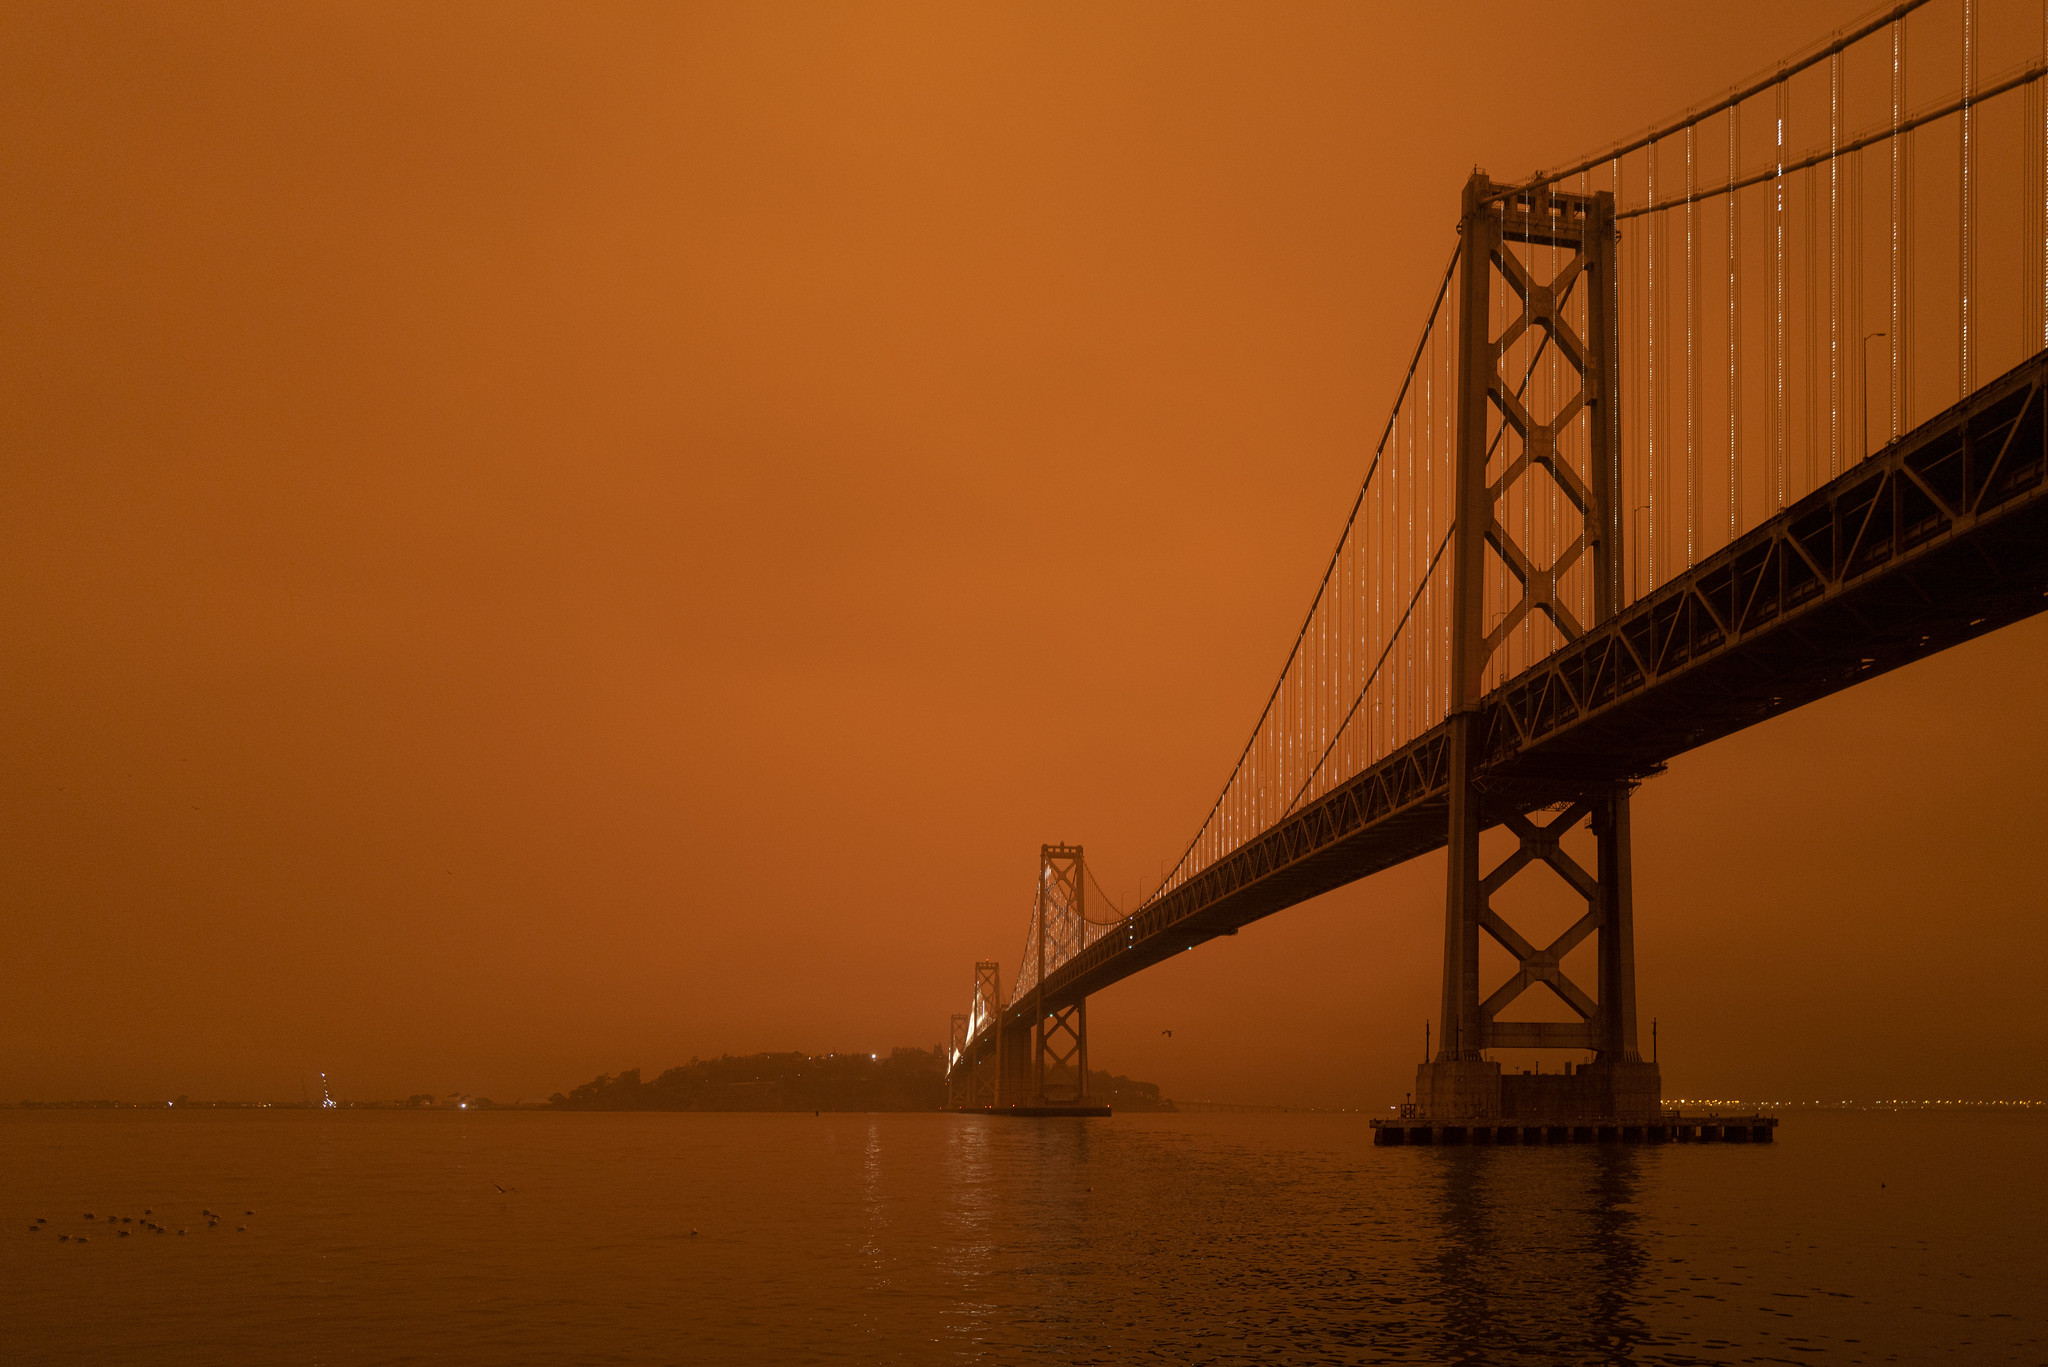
1059 1034
1501 443
980 1083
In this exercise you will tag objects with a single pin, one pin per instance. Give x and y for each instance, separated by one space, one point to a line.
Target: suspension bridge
1729 416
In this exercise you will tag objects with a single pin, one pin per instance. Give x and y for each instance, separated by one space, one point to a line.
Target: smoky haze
550 539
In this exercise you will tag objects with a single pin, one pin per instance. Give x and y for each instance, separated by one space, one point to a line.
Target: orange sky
542 539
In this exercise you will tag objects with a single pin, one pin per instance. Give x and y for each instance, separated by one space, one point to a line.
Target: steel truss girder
1644 687
1393 795
1849 572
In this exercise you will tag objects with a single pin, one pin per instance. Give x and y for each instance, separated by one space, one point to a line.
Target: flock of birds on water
115 1225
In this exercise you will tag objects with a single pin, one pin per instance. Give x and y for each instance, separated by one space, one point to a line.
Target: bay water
358 1236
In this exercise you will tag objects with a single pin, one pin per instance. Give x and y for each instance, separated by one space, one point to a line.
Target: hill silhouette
905 1079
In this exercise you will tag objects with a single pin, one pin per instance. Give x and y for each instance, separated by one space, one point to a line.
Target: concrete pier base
1623 1093
1459 1090
1668 1127
1471 1101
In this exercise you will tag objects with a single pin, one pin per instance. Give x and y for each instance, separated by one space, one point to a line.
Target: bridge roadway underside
1939 538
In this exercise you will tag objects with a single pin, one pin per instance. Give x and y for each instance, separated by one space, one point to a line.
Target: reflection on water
1217 1243
1538 1246
916 1238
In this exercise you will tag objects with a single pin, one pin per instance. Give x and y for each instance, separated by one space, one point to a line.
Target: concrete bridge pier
1013 1065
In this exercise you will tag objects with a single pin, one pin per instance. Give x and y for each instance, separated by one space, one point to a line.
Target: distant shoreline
1163 1107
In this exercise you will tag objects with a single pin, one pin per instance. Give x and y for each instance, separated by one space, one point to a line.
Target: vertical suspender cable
1428 522
1556 442
1856 435
1735 323
1834 267
1898 204
1968 227
1778 343
1616 564
1814 354
1401 556
2030 199
1410 468
1909 284
1691 357
1583 425
1496 665
1528 482
1650 365
1414 582
1530 345
1319 718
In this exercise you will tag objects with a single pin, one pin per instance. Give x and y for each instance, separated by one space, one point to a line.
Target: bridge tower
958 1068
1500 444
1059 1034
973 1084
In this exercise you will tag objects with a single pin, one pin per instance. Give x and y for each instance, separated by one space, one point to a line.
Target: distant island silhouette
905 1079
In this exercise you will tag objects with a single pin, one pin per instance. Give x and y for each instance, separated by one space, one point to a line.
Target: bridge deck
1939 538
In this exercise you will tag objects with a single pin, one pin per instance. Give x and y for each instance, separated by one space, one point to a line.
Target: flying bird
1167 1033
